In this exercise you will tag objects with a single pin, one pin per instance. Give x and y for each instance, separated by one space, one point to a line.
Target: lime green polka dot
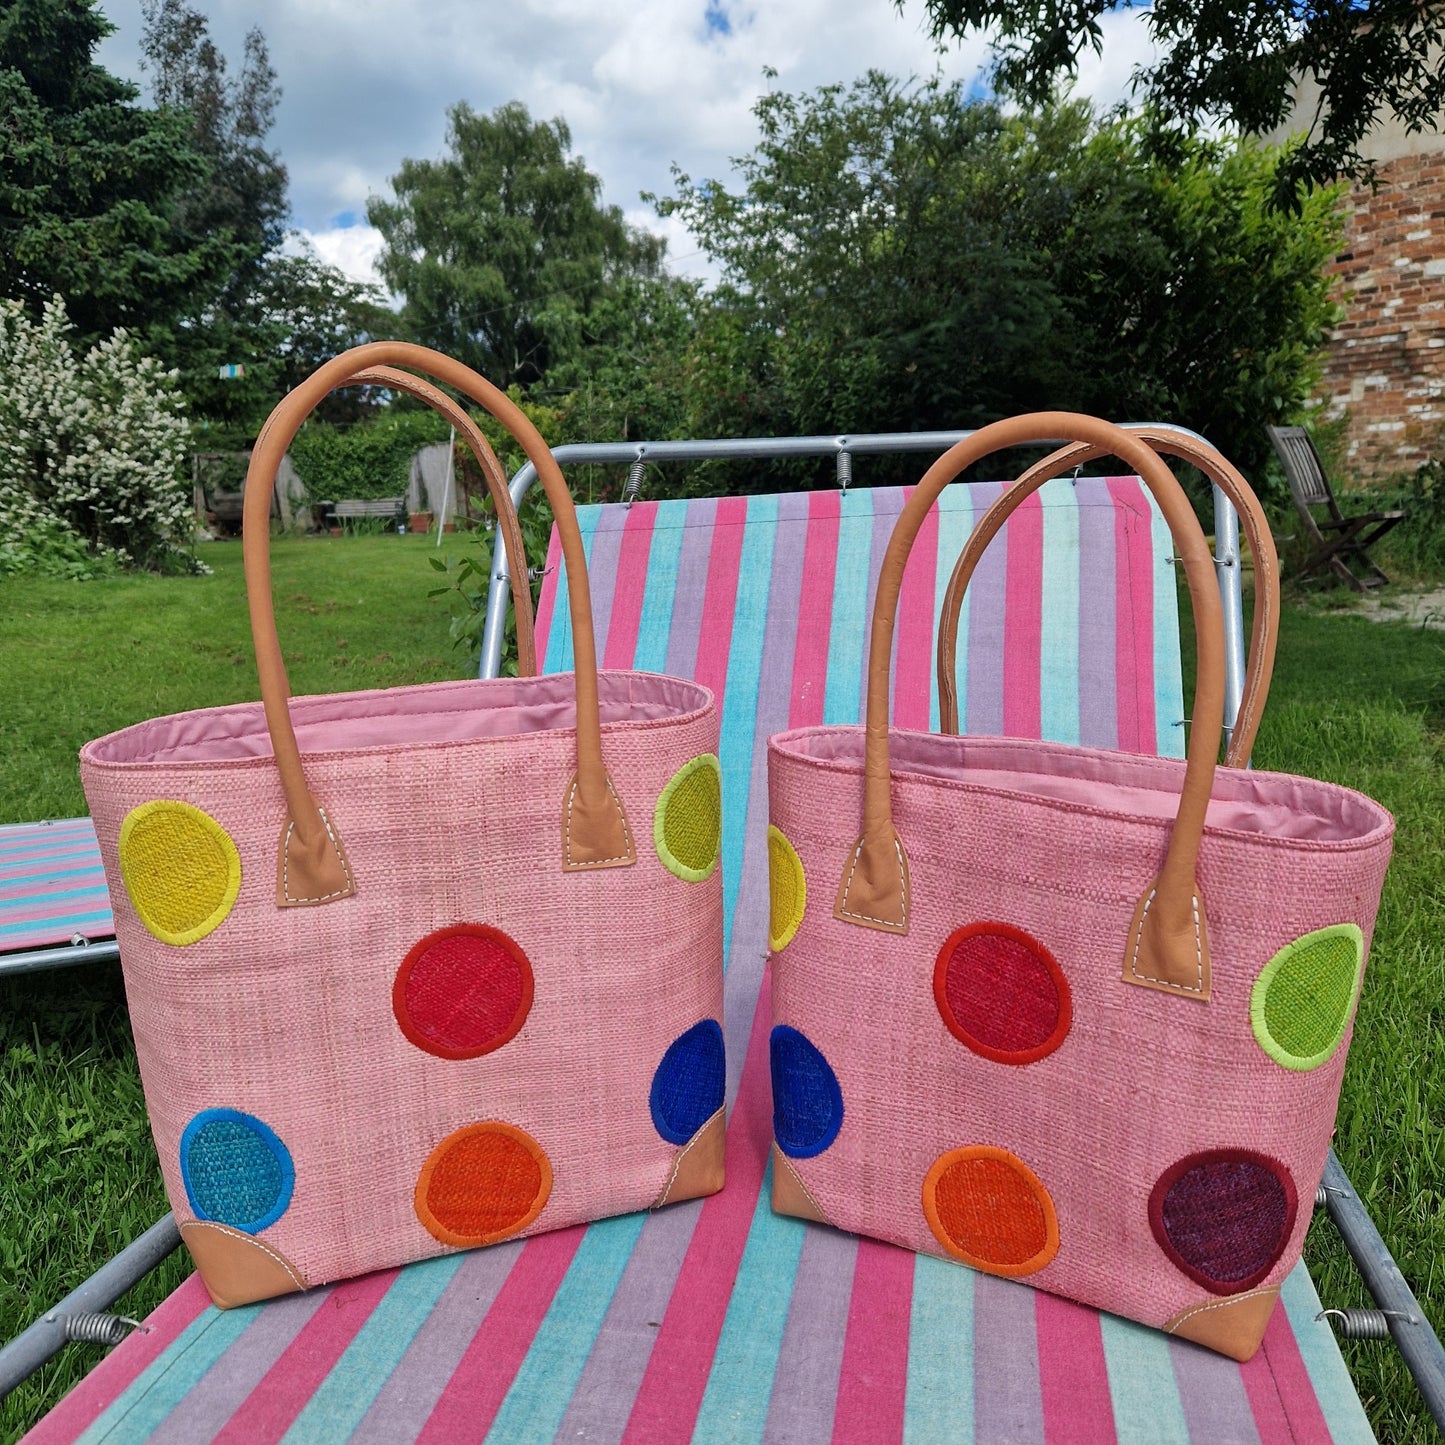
1303 998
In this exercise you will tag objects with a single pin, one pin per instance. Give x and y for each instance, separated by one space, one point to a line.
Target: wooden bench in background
388 509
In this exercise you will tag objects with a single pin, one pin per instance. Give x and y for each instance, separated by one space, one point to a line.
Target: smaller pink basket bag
1072 1016
417 970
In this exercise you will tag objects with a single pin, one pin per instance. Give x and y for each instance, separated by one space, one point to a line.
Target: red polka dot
1002 993
463 991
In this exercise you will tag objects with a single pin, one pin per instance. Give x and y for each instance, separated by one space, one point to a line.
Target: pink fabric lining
1262 806
445 712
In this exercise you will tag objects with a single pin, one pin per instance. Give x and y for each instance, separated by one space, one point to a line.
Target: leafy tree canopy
899 257
1237 60
89 180
502 249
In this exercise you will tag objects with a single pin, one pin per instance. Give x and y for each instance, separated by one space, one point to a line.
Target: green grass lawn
1354 701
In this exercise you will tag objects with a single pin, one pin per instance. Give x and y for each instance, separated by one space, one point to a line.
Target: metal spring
93 1328
633 489
845 470
1363 1324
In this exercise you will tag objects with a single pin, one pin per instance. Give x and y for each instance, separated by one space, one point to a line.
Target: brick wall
1385 363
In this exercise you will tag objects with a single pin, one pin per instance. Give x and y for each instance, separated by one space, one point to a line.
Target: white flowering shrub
92 450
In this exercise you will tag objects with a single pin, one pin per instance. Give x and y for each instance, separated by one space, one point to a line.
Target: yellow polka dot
787 889
687 824
181 869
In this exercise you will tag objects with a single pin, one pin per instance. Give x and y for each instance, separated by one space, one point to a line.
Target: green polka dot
687 824
1303 999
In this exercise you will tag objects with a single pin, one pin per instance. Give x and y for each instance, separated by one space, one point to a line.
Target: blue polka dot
807 1102
236 1171
687 1089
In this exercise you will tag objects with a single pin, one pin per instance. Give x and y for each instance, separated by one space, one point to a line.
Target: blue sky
643 84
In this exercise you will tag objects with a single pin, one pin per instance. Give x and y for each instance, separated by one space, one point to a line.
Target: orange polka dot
988 1208
483 1183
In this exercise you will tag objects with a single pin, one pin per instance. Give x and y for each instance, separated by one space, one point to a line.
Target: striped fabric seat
716 1320
52 887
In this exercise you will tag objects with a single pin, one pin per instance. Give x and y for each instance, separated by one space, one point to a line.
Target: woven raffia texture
449 802
1142 1079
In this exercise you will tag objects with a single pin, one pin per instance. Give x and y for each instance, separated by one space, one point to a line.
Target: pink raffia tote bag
421 969
1071 1016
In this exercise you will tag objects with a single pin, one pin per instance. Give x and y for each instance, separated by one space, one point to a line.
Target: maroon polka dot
1224 1217
1002 993
463 991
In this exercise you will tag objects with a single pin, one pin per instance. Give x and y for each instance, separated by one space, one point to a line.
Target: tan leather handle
1264 634
509 527
1167 946
312 867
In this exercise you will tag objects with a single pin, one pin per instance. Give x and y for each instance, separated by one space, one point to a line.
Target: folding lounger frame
74 1317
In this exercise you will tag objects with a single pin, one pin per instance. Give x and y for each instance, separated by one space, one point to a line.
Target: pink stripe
270 1409
110 1379
91 881
1073 1375
630 585
815 610
873 1381
547 601
100 902
721 595
672 1387
1286 1408
50 853
475 1392
912 666
1134 614
1024 621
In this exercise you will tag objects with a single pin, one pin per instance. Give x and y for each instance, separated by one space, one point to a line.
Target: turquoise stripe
1323 1362
1147 1410
740 695
355 1380
37 872
940 1354
655 627
740 1385
1168 672
168 1379
848 639
1059 640
559 635
70 920
542 1390
955 522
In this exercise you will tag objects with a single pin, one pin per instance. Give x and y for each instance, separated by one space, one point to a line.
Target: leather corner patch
790 1194
236 1268
697 1170
1233 1327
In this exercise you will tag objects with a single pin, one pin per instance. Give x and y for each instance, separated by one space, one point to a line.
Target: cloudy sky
644 84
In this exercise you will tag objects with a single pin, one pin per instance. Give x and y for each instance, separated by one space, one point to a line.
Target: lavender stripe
689 594
1211 1390
413 1388
810 1360
602 571
1008 1402
988 596
602 1402
224 1388
1098 642
775 689
887 504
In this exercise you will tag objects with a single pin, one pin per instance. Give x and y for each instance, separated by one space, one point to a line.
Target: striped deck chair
53 905
716 1320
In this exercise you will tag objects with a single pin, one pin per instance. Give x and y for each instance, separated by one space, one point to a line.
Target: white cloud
351 249
643 84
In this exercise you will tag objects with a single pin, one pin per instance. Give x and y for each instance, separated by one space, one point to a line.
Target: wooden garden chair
715 1319
1336 541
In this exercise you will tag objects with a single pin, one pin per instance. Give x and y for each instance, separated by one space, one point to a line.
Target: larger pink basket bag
420 969
1072 1016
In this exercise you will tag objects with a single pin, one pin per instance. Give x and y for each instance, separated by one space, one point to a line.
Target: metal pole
447 492
35 959
1227 570
48 1335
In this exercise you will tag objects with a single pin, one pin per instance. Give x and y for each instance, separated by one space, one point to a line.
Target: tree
1237 60
902 258
502 249
89 181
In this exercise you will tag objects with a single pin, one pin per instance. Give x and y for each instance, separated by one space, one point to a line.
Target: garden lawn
1355 702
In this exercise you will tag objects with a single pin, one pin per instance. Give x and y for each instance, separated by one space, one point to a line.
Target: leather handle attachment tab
1167 945
1169 441
312 866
